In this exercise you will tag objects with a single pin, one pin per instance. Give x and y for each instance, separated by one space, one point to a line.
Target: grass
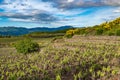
77 58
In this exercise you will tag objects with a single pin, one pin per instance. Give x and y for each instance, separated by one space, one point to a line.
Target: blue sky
55 13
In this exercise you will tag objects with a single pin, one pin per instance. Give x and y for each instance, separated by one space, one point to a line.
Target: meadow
76 58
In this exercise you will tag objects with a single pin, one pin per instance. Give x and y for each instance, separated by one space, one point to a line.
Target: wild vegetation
26 46
82 56
85 58
107 28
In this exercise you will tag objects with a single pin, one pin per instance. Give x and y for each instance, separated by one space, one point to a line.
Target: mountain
15 31
46 29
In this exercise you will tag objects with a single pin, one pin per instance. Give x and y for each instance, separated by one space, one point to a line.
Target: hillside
15 31
107 28
110 28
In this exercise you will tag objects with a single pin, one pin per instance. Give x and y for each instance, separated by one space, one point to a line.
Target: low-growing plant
26 46
80 59
58 77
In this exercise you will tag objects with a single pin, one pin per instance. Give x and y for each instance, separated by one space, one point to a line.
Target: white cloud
21 20
70 1
117 10
25 5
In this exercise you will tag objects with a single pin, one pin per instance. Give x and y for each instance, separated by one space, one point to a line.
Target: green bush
111 33
26 46
99 31
118 32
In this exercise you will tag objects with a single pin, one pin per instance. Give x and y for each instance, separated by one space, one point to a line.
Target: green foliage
58 77
118 32
110 33
106 28
26 46
99 31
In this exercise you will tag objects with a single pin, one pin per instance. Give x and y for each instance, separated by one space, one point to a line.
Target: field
76 58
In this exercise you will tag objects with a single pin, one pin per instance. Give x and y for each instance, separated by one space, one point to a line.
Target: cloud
69 1
60 12
111 2
36 17
98 16
71 4
117 10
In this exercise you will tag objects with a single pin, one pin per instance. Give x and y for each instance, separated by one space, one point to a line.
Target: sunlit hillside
107 28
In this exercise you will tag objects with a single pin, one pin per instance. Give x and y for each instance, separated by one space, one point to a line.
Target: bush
118 32
111 33
26 46
99 31
69 33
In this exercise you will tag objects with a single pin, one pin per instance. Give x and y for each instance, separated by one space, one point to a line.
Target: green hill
106 28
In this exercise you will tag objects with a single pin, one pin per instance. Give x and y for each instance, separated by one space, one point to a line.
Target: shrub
118 32
69 33
99 31
26 46
77 31
110 33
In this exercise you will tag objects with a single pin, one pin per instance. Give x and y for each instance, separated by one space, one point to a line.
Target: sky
55 13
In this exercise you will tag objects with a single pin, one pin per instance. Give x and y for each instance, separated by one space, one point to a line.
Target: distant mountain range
15 31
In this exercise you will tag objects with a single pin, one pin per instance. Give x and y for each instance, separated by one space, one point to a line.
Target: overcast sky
55 13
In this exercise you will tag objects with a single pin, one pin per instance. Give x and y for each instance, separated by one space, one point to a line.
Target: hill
106 28
15 31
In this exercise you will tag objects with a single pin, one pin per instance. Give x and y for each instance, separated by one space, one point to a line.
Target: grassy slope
106 28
